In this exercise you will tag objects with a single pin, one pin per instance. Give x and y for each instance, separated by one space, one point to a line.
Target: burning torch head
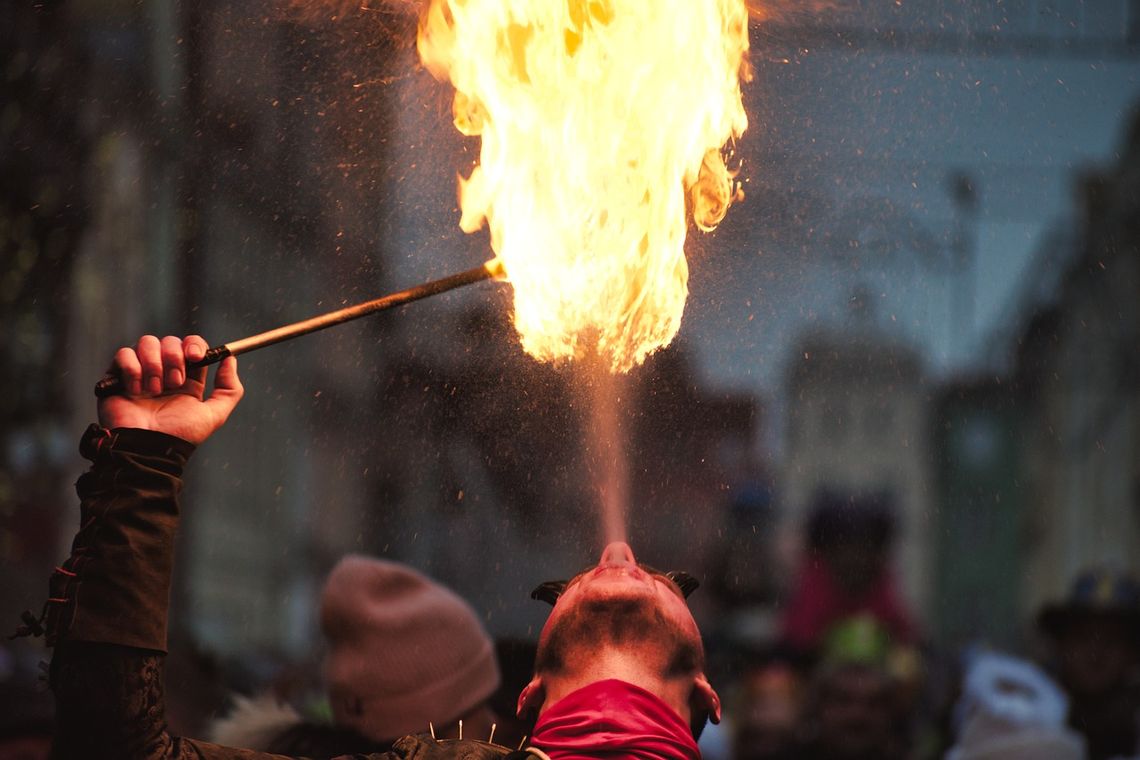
621 606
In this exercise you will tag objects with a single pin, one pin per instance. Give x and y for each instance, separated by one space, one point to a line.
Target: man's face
619 614
618 602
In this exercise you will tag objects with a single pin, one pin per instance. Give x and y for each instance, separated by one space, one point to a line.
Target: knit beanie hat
402 650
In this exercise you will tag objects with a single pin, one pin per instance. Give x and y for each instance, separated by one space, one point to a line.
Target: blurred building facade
230 158
268 171
978 522
1078 375
1037 463
45 141
857 424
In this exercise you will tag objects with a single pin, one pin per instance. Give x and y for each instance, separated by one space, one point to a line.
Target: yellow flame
603 122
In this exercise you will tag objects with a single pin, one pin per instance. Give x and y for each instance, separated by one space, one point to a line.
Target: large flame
602 122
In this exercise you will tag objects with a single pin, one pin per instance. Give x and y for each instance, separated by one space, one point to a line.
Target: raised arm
106 615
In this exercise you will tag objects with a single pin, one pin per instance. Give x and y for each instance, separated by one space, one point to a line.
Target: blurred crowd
846 671
849 673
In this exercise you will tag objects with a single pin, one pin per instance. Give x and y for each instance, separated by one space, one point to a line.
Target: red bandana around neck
615 720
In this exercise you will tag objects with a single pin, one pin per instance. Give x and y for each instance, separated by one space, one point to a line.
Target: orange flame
603 122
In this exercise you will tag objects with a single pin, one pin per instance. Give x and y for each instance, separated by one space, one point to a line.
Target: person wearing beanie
619 669
404 653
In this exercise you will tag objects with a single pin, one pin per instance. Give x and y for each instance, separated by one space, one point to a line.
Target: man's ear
532 697
704 698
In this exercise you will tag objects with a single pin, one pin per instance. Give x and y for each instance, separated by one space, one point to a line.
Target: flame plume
603 123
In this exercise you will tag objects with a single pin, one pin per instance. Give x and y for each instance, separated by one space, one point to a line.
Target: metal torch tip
496 269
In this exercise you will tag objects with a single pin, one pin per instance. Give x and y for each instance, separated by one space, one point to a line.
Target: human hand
161 395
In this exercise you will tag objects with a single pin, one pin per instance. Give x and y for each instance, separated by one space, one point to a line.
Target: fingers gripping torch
112 385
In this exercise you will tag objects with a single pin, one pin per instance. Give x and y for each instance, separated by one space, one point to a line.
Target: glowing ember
601 121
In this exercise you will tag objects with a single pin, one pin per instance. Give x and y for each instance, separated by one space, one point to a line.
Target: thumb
228 389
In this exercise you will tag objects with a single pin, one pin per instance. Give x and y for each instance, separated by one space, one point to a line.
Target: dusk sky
889 130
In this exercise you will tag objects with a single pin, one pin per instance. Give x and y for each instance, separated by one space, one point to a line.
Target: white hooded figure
1011 710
